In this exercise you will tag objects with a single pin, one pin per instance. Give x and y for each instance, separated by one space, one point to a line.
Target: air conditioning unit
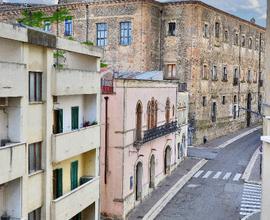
4 142
85 179
4 102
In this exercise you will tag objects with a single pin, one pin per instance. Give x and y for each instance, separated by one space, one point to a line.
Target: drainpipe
87 23
106 139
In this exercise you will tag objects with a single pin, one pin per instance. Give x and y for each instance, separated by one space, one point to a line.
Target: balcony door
74 118
57 183
74 175
58 121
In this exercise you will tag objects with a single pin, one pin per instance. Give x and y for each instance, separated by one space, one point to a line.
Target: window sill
214 80
224 80
35 173
36 103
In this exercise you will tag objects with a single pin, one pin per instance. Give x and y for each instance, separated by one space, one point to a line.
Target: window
234 111
152 109
172 28
257 44
139 121
204 102
217 29
102 34
223 100
204 72
225 74
35 215
250 43
249 76
35 86
226 35
68 27
34 157
167 111
171 70
74 175
235 77
206 31
243 42
57 183
234 99
74 118
214 112
58 121
125 33
236 39
214 73
47 26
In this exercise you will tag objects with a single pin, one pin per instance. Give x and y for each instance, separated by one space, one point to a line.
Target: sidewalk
229 138
154 203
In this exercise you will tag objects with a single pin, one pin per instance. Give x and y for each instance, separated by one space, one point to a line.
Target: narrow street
215 192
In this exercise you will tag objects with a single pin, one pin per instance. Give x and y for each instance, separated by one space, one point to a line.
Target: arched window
149 115
152 113
173 111
139 121
156 113
167 111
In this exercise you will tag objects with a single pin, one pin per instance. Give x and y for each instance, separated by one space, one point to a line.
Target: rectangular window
171 70
172 28
102 30
68 27
74 118
214 73
35 86
243 41
204 72
234 111
217 29
223 100
206 31
250 43
235 77
249 76
214 112
57 183
204 102
225 75
58 121
47 26
226 36
35 215
34 157
125 33
236 39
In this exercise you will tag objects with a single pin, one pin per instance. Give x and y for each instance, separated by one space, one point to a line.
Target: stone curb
225 144
158 207
250 165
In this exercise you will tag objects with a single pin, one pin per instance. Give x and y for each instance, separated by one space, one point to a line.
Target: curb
238 137
157 208
250 165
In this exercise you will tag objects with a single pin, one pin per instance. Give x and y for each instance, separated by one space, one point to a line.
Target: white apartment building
49 126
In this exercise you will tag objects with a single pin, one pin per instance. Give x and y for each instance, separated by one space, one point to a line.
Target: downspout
106 139
239 75
87 23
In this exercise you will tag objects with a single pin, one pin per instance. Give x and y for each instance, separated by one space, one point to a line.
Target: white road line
249 210
251 200
227 176
244 213
253 185
251 197
217 175
251 203
252 194
237 177
252 190
198 173
207 174
250 206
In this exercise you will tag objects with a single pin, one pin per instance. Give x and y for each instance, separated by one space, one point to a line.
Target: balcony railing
157 132
106 86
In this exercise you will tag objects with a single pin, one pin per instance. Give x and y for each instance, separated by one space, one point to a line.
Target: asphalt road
216 193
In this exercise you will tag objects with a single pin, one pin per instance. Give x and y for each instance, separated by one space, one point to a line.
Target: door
152 172
57 183
167 160
248 110
74 175
139 170
58 121
74 118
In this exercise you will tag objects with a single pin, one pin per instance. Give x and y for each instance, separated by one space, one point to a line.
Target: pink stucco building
142 141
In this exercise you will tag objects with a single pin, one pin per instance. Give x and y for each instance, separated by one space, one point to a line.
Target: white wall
82 62
11 51
3 124
90 108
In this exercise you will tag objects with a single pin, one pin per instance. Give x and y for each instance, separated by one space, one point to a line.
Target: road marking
237 177
207 174
217 175
198 173
252 206
227 176
251 202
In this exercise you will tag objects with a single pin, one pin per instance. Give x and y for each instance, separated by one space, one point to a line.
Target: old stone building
217 55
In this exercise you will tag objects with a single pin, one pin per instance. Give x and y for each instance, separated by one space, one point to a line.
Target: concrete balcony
70 144
72 203
13 80
74 82
12 157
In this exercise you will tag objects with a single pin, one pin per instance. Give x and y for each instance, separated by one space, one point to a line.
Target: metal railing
106 86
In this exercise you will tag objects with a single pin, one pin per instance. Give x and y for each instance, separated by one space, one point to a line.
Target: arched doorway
152 172
167 160
249 98
138 187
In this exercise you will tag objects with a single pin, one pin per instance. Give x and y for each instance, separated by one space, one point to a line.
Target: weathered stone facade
185 48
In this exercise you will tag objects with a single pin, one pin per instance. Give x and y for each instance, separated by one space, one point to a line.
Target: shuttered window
74 175
74 118
57 183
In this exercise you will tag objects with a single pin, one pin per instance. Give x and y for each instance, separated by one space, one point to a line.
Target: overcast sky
243 8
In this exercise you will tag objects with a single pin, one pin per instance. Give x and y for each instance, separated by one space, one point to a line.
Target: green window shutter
60 121
74 118
74 175
59 183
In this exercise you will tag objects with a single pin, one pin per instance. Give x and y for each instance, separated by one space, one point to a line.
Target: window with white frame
68 27
47 26
102 30
34 157
125 33
35 86
171 70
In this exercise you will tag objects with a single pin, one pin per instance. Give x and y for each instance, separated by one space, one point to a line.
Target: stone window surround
168 28
205 71
206 33
226 35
